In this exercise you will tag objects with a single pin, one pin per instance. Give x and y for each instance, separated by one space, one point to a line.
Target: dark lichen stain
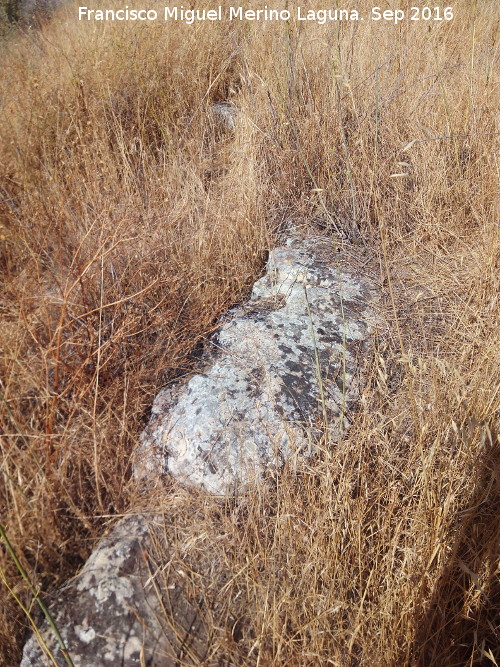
325 359
232 393
293 367
207 458
339 381
301 390
129 564
332 338
255 380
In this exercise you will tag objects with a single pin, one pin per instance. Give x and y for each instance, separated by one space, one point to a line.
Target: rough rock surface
110 615
278 365
287 359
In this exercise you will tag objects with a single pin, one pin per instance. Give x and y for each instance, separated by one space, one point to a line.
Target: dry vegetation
129 224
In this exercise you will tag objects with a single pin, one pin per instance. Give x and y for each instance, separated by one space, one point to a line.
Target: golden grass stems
129 223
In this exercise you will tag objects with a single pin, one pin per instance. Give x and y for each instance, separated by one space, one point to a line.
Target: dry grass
129 224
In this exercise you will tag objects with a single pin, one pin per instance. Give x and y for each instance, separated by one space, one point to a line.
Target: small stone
224 115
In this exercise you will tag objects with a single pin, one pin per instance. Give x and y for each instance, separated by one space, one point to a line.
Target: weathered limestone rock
110 614
280 364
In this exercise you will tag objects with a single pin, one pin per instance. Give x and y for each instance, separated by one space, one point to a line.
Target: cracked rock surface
287 359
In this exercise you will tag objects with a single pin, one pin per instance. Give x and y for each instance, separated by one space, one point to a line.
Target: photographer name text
319 16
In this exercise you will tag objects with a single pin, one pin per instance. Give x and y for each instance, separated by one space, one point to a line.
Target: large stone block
280 368
286 362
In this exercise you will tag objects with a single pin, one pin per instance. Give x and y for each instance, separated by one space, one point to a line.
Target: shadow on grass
462 624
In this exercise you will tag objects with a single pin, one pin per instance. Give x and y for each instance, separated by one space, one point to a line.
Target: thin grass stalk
39 601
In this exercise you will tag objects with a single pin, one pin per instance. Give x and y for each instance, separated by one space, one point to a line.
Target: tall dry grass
130 223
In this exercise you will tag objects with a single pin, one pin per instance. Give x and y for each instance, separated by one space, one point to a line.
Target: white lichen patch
85 635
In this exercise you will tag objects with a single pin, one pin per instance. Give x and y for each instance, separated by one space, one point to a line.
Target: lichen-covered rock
110 614
278 366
